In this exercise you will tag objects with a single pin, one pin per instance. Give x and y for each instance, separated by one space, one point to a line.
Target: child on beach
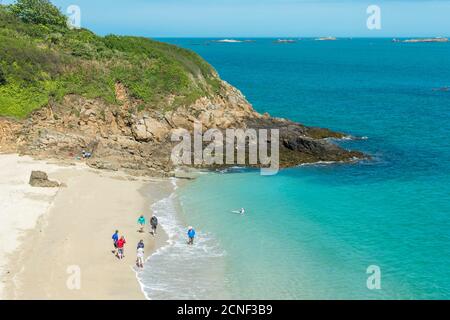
120 247
154 224
141 223
115 238
191 235
140 258
140 244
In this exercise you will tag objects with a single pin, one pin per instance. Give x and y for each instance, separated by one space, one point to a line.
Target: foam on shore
173 268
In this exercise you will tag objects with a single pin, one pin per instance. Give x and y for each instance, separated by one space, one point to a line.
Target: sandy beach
56 243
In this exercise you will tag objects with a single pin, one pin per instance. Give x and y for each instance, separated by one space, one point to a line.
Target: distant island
285 41
228 40
438 39
232 41
326 39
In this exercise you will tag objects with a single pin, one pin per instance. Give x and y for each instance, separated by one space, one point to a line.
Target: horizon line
299 37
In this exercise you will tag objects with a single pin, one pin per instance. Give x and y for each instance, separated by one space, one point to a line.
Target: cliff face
123 137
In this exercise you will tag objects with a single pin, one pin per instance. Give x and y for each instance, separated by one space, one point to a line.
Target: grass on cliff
41 61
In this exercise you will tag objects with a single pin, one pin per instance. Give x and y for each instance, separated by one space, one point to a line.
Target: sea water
312 231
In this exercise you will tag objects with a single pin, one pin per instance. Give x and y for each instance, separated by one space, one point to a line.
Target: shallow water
177 270
312 231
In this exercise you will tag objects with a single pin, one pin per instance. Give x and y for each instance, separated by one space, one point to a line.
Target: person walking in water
191 235
154 224
115 238
120 247
141 223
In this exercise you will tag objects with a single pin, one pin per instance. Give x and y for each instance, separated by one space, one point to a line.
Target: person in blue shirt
115 238
140 244
191 235
141 223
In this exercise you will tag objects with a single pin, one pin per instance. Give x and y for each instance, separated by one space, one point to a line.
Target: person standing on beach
140 244
141 223
154 224
120 247
115 238
191 235
140 258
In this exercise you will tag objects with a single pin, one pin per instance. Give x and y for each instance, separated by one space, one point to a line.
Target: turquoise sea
311 232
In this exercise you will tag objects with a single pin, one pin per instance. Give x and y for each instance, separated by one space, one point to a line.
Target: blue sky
260 18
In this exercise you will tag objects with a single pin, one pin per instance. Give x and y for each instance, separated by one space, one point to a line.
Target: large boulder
149 129
40 179
112 164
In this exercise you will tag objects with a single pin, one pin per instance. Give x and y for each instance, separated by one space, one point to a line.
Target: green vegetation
42 60
38 12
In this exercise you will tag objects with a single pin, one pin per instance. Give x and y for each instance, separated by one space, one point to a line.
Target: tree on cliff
38 12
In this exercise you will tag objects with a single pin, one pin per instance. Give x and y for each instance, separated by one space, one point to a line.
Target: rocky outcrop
8 134
138 141
40 179
149 129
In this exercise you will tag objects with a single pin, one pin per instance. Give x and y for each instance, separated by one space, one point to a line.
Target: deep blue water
312 231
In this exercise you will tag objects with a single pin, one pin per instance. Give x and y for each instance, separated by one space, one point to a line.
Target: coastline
71 233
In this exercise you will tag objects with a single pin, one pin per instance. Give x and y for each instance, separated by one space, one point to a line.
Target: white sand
45 232
20 204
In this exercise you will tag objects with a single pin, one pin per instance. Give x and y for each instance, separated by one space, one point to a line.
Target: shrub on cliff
38 12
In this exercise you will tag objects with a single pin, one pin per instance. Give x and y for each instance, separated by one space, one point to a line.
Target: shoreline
165 242
176 266
162 237
72 236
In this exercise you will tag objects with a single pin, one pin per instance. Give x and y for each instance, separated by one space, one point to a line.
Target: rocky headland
122 137
67 93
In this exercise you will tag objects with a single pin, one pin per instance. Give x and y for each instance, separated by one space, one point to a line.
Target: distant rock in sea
232 41
227 40
426 40
285 41
326 39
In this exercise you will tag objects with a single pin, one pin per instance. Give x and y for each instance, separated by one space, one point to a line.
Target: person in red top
120 244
